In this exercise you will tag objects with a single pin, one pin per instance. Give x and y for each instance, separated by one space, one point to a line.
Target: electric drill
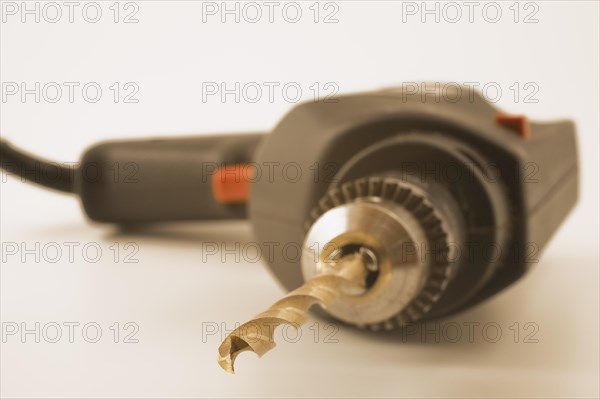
404 206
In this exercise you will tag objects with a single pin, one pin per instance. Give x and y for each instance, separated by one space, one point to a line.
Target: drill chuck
412 232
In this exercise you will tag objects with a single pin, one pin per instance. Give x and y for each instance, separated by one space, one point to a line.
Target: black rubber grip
142 181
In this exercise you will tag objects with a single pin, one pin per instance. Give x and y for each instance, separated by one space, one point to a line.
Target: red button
231 183
517 123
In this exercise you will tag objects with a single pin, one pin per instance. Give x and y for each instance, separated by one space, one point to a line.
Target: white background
171 293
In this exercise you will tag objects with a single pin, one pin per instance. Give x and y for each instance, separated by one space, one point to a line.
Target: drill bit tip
229 350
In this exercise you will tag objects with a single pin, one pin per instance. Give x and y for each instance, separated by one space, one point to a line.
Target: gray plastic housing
537 187
133 182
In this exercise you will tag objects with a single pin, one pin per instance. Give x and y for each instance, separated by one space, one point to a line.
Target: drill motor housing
513 183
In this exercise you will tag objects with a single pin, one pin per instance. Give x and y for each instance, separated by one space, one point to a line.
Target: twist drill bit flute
345 276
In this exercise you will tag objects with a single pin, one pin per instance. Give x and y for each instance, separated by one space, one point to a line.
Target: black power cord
46 173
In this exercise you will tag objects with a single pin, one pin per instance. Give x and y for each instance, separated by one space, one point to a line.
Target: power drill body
443 181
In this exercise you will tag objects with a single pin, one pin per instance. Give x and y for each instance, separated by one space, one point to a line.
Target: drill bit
342 277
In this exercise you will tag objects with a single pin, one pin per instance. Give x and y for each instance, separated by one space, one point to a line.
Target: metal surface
393 235
409 235
340 280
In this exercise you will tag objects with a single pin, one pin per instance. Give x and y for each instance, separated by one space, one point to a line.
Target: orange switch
231 183
517 123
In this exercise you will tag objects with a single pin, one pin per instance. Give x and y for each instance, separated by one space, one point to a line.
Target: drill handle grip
142 181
